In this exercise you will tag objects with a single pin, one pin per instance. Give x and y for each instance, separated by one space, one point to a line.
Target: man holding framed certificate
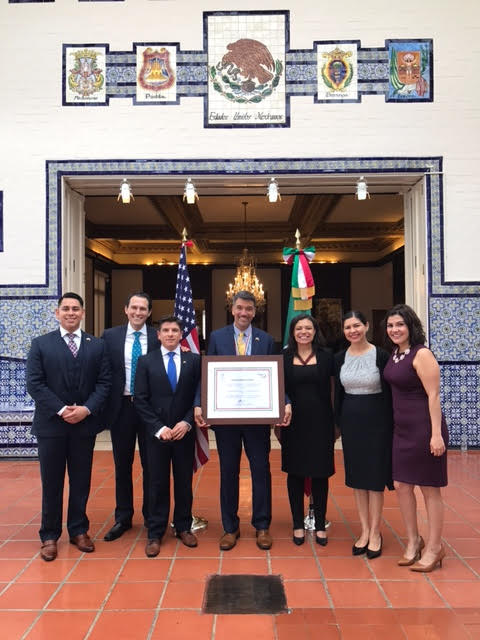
241 339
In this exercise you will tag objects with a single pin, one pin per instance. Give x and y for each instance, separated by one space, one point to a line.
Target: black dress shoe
116 531
298 540
358 551
375 554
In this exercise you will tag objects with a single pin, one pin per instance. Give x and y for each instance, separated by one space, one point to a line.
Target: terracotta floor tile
283 548
193 569
117 549
10 568
233 627
145 596
8 530
336 547
167 549
145 570
183 625
467 547
80 596
345 569
41 571
62 624
19 549
365 616
307 593
28 532
27 596
251 566
474 563
93 569
371 632
183 595
123 625
296 568
13 624
411 594
386 568
355 594
455 569
460 594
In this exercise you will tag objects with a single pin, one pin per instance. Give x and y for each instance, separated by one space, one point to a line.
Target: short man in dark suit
240 338
68 377
165 388
125 344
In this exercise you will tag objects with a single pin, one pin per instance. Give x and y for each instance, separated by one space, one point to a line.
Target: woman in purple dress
420 437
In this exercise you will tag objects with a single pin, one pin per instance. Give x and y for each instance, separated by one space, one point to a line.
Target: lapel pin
257 339
88 339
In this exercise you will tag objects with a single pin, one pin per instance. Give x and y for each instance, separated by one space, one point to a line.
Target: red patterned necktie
72 345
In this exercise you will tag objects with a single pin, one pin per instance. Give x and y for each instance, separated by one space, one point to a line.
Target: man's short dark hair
166 319
244 295
140 294
70 294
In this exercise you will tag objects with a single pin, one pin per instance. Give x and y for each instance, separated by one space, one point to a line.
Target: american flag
185 311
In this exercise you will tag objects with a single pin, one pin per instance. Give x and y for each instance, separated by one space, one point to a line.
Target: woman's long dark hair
318 340
354 314
416 334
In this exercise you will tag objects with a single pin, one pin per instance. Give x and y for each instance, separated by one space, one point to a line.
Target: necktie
71 344
136 353
172 370
240 344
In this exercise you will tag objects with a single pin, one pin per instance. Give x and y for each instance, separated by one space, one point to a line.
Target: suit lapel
255 342
185 361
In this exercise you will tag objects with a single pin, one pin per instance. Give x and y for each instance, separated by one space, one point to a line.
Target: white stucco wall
35 126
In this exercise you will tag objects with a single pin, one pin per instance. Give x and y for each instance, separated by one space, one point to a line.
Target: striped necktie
241 347
72 344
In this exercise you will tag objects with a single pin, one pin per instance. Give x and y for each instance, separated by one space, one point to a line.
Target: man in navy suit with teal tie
125 344
240 338
68 377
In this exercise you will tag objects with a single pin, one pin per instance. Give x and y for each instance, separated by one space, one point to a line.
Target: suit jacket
115 342
222 342
56 379
157 405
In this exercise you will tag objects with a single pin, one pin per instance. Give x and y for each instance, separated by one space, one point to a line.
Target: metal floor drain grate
244 594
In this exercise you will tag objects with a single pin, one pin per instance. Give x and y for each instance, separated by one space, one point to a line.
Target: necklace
305 362
400 356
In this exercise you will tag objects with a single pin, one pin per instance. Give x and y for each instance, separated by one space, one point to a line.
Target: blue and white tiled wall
454 308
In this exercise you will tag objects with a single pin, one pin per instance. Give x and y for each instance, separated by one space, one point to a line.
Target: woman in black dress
307 444
364 414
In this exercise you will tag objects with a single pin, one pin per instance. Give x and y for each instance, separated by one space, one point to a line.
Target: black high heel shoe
321 541
358 551
298 540
375 554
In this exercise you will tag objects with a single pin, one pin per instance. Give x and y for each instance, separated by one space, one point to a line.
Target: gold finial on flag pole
184 234
297 236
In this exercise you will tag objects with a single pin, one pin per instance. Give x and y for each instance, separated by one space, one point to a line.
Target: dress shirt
77 338
129 338
247 338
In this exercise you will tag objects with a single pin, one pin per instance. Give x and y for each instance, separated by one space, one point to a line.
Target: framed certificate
242 389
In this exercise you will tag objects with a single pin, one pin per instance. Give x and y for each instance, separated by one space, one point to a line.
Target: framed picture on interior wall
328 313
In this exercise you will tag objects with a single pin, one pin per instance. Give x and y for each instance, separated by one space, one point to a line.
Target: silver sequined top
359 375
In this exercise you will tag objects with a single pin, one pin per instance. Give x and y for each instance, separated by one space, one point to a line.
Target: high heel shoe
358 551
426 568
298 540
321 541
407 562
371 554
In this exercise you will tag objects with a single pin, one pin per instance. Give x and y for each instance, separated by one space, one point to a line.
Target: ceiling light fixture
190 193
273 194
246 278
362 191
125 194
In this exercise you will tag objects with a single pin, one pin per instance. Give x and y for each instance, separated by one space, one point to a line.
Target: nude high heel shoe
426 568
407 562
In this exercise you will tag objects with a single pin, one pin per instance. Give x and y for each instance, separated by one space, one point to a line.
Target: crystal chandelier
246 278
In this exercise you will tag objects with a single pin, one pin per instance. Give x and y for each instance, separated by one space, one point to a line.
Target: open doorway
133 245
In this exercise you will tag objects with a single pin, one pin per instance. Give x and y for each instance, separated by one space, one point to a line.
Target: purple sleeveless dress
412 461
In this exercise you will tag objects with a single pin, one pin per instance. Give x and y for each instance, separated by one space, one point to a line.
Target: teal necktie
136 353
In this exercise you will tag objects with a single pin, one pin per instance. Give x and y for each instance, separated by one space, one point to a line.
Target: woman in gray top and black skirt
364 414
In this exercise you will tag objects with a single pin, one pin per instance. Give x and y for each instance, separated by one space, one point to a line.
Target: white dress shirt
129 339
